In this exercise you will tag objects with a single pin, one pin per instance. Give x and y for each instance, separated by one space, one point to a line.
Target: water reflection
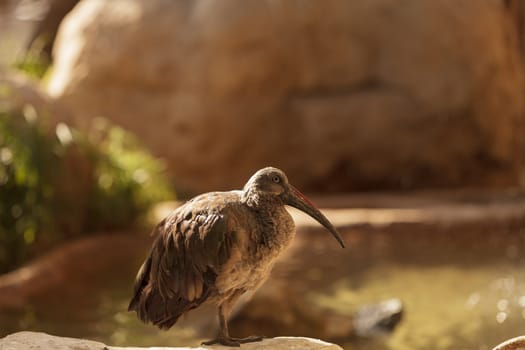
447 307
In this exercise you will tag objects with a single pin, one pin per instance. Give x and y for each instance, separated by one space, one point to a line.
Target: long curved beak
298 200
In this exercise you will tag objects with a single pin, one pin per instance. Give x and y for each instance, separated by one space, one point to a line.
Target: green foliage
34 63
57 186
26 159
128 179
32 67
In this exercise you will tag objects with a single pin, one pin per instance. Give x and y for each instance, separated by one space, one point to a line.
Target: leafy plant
54 186
26 158
33 62
129 180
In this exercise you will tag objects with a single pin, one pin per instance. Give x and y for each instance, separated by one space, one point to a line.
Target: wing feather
191 246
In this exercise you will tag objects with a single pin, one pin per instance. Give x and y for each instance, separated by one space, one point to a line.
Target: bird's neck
273 227
260 201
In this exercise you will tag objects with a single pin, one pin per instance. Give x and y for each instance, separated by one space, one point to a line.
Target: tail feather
164 313
152 307
141 281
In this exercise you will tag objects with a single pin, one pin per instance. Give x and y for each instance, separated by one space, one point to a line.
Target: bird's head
272 184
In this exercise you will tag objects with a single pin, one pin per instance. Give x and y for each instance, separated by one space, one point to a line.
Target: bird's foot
226 341
235 342
250 339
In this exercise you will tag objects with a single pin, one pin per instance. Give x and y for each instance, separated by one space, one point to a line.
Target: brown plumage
216 247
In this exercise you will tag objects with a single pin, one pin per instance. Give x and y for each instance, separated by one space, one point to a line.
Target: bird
216 247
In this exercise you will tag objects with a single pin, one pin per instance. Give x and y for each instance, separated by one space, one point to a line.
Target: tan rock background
343 95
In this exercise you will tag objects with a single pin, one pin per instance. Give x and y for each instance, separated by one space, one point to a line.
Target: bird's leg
224 335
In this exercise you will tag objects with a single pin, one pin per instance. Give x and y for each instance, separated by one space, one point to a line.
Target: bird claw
250 339
223 341
234 342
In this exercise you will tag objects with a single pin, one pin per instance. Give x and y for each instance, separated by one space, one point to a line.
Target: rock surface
512 344
42 341
361 93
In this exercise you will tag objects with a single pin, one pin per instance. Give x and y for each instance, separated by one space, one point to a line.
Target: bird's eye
276 179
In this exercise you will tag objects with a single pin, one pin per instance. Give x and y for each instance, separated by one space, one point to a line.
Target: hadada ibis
216 247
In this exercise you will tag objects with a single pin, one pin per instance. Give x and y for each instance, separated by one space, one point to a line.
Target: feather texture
191 246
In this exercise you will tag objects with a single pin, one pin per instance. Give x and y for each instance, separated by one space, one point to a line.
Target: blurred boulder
378 319
43 35
342 95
